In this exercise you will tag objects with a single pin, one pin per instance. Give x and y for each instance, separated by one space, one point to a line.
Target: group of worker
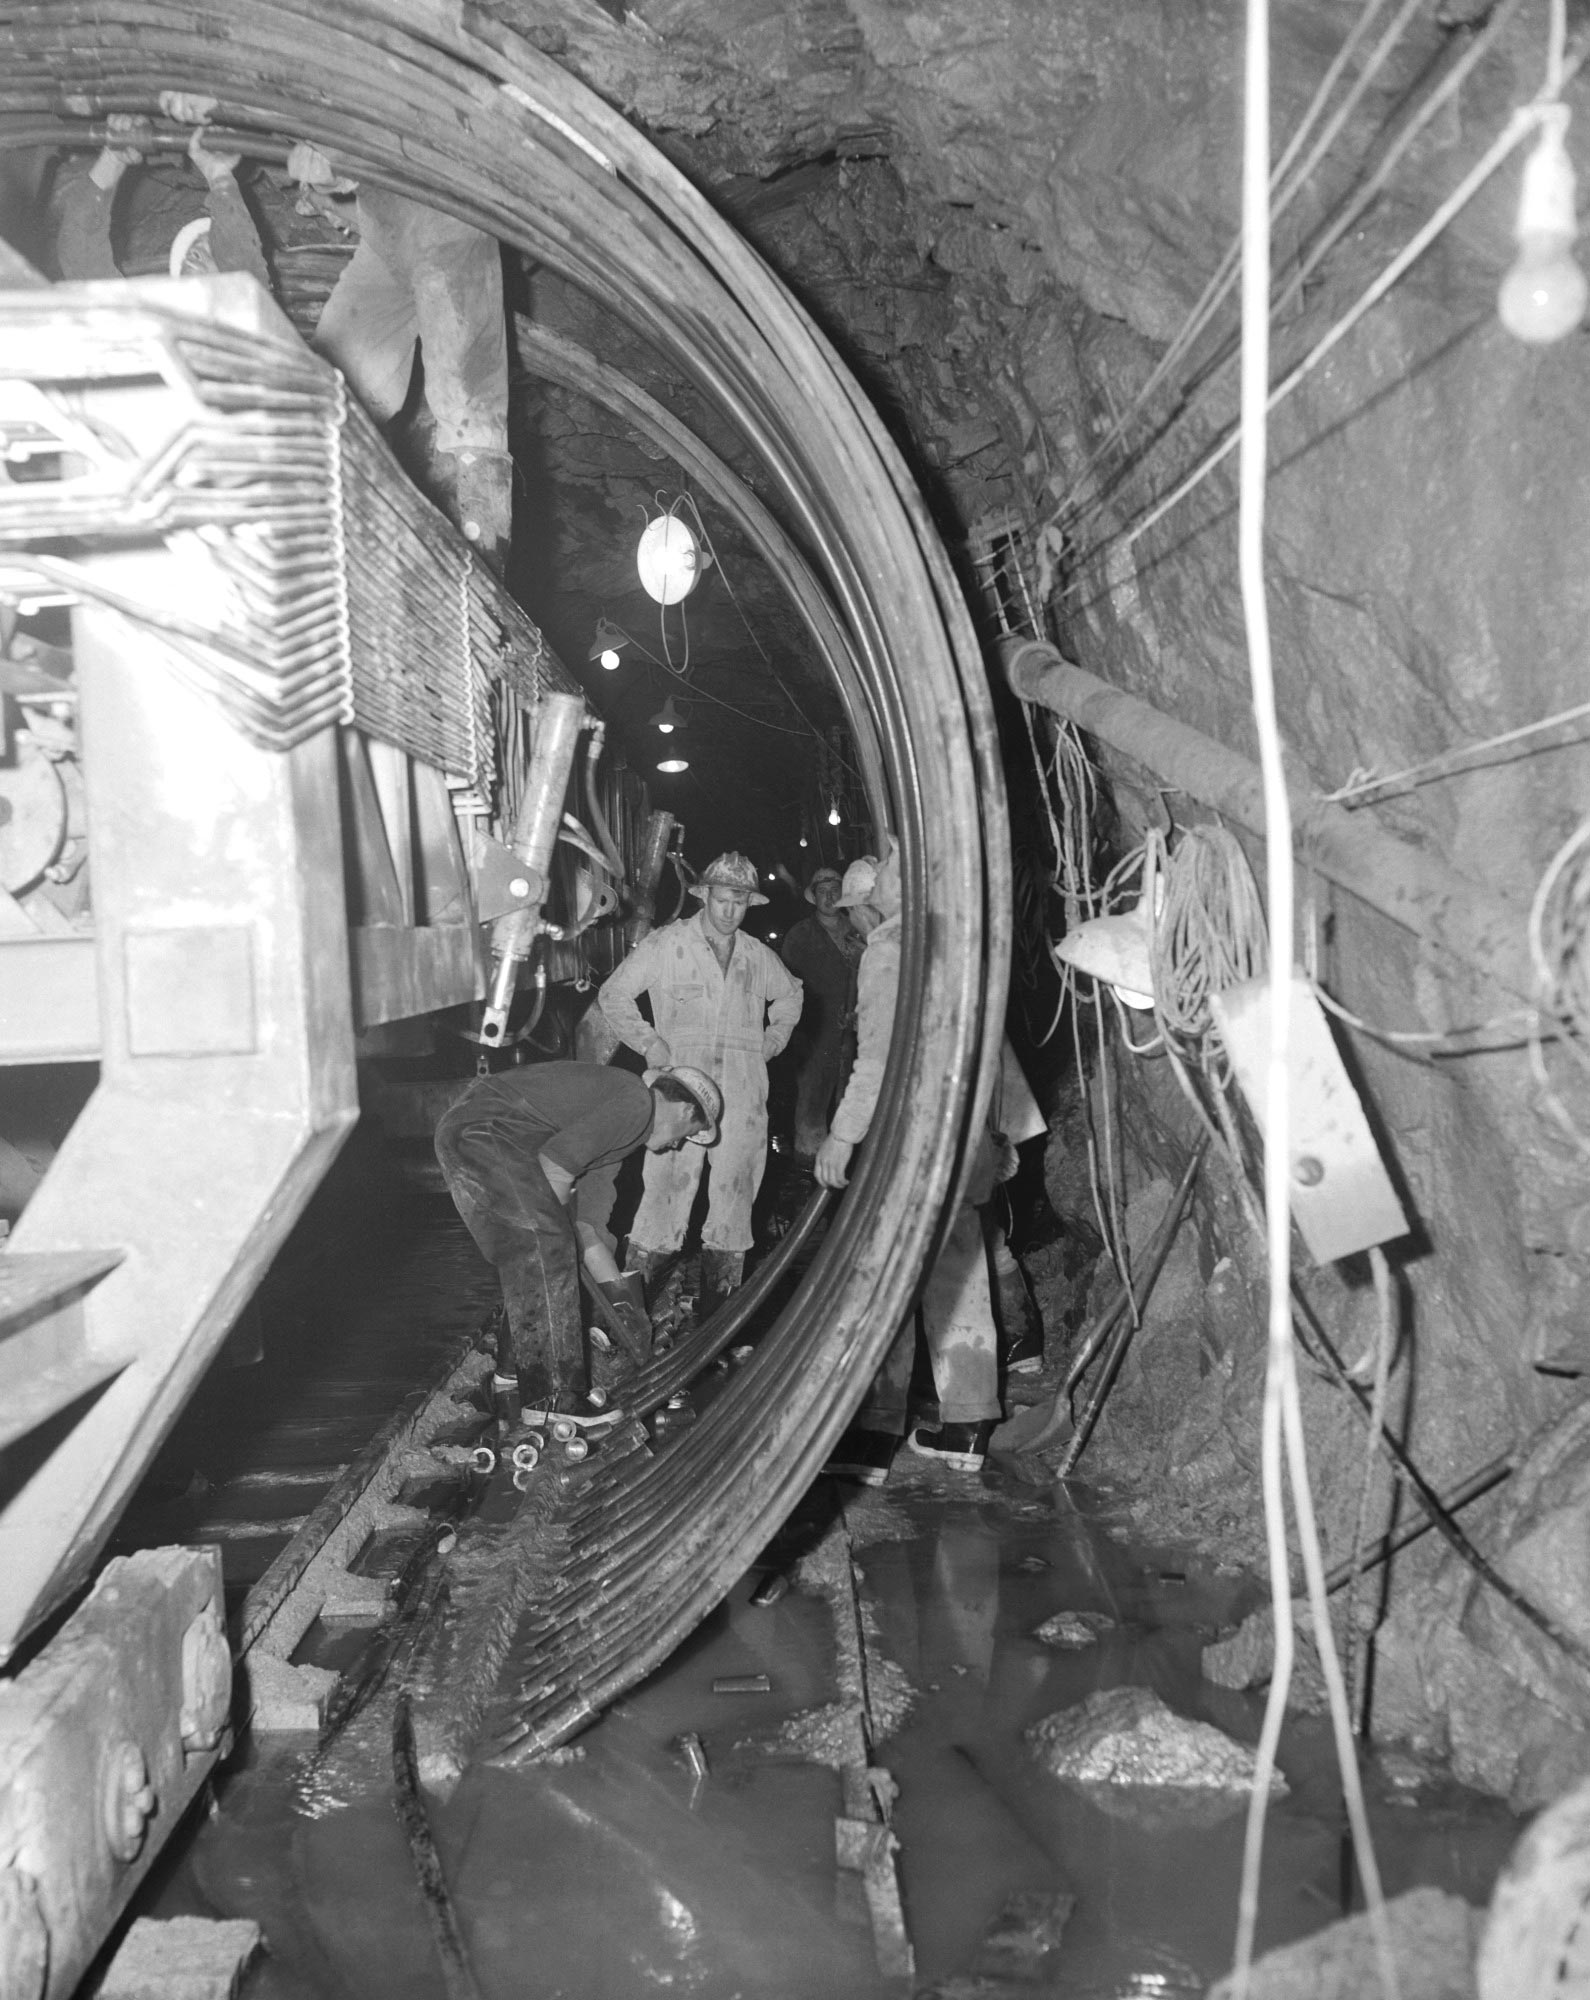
530 1154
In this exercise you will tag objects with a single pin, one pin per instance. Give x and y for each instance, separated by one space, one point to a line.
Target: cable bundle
1559 944
1207 934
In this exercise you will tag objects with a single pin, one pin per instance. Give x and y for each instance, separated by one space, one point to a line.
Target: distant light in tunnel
833 817
804 841
673 764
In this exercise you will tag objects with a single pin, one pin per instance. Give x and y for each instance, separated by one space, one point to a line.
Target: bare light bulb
610 660
1544 295
674 764
803 840
665 729
833 815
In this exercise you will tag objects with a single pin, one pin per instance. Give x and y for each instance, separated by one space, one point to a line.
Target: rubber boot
1020 1320
649 1266
626 1301
720 1276
482 484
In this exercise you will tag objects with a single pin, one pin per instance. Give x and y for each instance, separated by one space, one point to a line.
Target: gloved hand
215 167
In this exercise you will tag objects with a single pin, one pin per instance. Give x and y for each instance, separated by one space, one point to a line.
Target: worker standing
722 1002
530 1156
823 951
957 1307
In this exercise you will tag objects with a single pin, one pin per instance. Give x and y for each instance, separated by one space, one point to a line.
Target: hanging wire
1219 286
1523 122
1367 790
1559 949
688 499
1282 1431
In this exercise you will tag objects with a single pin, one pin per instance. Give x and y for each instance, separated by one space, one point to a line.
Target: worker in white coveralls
721 1002
957 1306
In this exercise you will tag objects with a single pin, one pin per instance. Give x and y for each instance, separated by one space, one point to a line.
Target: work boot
482 487
720 1275
625 1300
1020 1319
650 1266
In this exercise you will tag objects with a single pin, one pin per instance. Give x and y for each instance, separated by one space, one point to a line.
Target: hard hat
822 875
730 871
860 879
708 1097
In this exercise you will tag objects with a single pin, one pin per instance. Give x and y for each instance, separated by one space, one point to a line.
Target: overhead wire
1368 790
1522 122
1219 286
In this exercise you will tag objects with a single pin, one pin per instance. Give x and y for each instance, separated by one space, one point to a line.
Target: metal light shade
605 646
667 719
669 559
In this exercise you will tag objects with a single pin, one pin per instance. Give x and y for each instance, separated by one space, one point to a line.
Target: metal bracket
502 880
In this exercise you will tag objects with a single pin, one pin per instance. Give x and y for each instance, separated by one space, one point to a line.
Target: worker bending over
724 1003
530 1158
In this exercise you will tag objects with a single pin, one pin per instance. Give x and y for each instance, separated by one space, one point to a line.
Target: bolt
1308 1171
518 886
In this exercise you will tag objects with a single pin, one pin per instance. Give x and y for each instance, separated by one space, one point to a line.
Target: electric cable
1367 790
1219 286
1282 1429
1519 126
1385 1348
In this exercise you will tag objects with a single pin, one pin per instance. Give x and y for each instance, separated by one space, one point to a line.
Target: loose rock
1070 1631
1433 1941
1127 1736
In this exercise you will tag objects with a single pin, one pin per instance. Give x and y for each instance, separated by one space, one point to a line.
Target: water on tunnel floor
617 1871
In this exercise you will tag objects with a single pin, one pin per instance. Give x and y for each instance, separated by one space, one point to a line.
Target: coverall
957 1306
585 1118
828 973
729 1024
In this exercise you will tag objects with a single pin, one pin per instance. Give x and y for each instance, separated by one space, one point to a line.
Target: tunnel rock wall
1002 213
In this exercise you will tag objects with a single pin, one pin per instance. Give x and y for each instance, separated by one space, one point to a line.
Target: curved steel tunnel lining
691 290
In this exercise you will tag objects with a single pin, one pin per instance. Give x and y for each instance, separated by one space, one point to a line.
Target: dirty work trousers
735 1166
489 1161
825 1062
418 275
958 1324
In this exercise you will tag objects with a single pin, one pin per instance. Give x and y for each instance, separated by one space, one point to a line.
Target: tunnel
1128 462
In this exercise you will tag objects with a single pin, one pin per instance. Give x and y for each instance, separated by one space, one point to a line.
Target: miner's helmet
730 871
860 879
823 875
701 1090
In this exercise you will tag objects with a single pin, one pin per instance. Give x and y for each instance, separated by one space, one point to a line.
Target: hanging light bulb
804 841
605 645
833 813
669 559
674 764
1543 296
668 719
